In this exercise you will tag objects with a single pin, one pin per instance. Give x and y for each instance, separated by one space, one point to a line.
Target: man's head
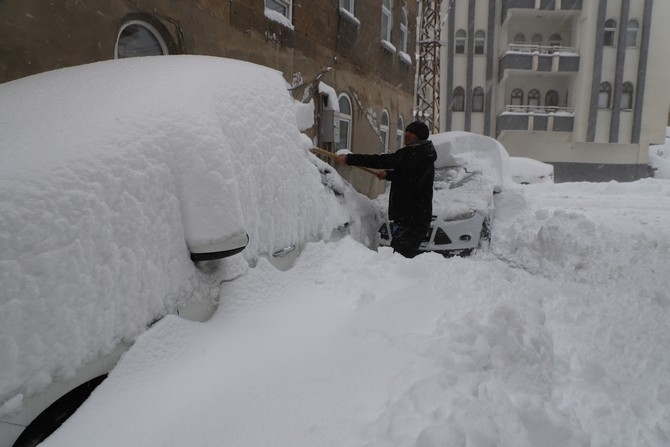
416 131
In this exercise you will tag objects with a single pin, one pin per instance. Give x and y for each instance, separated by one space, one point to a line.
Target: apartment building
353 58
582 84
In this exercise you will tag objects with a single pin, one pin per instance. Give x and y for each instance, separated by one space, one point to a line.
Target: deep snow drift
556 337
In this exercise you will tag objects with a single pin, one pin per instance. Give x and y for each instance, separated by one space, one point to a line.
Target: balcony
536 119
539 58
540 5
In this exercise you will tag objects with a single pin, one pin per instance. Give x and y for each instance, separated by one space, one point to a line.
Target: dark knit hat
419 129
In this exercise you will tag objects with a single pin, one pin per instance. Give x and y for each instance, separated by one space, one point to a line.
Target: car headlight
463 216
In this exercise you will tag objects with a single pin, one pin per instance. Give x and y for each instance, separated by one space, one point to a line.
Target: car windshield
450 177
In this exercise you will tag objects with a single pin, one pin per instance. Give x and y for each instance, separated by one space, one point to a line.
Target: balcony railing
541 49
536 118
539 58
542 5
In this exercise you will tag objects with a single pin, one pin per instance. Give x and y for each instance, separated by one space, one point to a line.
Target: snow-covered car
469 170
114 178
527 171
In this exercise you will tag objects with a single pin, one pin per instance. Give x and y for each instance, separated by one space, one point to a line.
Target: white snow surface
555 337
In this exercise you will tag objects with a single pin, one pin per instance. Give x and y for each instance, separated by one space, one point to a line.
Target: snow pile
659 158
107 171
557 337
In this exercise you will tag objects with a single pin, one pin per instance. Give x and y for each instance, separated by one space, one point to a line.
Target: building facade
353 58
582 84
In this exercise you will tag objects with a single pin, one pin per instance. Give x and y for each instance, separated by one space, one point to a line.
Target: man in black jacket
411 172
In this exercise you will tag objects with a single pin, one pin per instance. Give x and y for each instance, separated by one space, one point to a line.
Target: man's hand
341 159
381 174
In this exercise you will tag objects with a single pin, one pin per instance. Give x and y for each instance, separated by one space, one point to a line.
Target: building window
536 40
345 118
517 97
384 133
403 30
459 41
478 99
519 39
610 33
555 41
631 33
138 38
534 98
480 42
347 5
551 99
458 100
627 96
400 133
386 19
604 95
283 7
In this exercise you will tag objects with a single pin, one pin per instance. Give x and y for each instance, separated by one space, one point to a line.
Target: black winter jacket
411 172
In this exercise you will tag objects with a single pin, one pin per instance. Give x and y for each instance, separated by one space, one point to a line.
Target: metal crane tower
427 103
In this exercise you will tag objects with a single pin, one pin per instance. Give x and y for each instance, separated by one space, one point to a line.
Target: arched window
610 33
478 99
139 38
517 97
536 40
384 133
458 100
403 30
627 96
551 99
387 19
631 33
604 95
345 118
400 133
534 97
459 41
519 38
480 42
555 41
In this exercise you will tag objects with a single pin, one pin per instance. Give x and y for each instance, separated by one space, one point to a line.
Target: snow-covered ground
555 337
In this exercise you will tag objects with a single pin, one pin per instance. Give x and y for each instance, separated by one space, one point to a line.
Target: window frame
517 97
348 5
460 41
288 4
534 98
632 33
347 118
458 100
627 91
404 29
148 27
480 42
386 20
478 99
609 36
384 123
605 88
